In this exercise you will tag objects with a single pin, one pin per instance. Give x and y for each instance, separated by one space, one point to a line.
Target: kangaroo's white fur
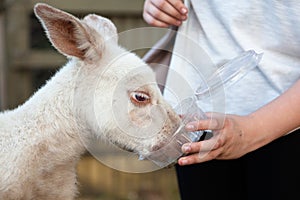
102 91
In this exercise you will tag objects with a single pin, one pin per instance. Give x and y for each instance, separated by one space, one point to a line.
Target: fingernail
186 148
190 127
178 23
183 161
183 10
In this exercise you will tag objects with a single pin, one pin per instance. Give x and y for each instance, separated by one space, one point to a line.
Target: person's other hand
230 139
163 13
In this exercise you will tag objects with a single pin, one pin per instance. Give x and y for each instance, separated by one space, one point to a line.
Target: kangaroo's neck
51 113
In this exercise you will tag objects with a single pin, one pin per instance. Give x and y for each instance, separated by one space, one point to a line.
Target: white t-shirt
221 31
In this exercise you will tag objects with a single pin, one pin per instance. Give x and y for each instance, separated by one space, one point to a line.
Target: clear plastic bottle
225 76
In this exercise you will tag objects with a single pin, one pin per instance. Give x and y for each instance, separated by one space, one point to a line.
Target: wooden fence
2 58
101 182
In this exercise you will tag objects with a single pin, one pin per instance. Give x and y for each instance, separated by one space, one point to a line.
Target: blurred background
27 60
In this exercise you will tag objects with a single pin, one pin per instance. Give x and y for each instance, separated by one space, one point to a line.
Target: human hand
230 140
163 13
234 136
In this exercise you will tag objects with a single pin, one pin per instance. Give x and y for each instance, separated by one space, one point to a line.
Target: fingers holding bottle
163 13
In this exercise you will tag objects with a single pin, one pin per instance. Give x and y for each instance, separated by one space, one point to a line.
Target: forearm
279 117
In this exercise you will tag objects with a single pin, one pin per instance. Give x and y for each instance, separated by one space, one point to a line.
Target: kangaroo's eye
139 98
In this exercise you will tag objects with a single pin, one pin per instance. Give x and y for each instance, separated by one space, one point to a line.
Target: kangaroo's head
117 97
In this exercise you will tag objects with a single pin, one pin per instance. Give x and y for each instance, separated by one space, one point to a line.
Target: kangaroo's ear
69 35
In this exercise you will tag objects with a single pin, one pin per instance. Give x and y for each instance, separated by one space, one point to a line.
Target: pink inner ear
64 30
63 36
